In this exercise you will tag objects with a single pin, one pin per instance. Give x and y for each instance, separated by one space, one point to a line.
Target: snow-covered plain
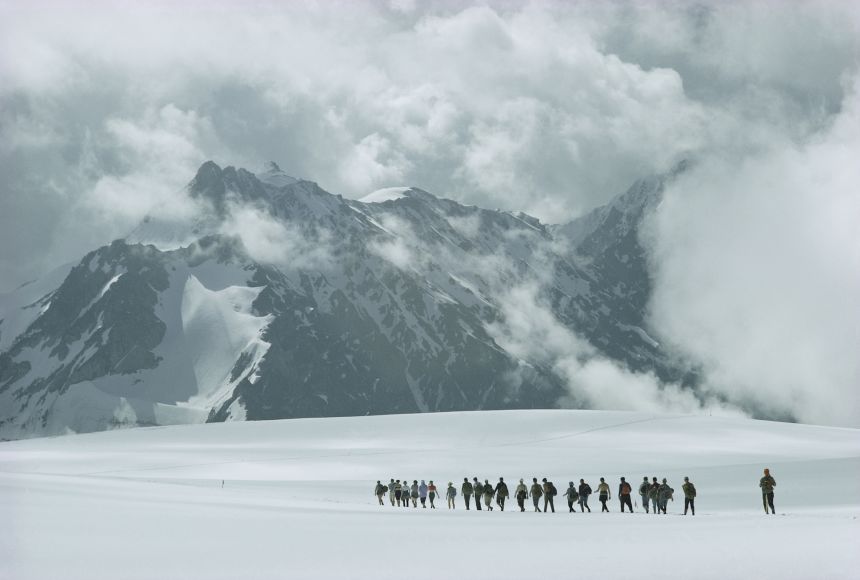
297 499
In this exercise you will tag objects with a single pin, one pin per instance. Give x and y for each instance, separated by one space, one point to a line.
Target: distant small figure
413 493
404 496
451 495
689 495
478 487
624 491
522 493
488 495
767 483
537 492
222 484
643 492
467 490
501 493
398 492
572 496
584 492
664 494
653 495
379 491
432 492
603 494
422 493
549 492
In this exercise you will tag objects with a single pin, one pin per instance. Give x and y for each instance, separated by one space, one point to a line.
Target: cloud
276 242
757 270
530 331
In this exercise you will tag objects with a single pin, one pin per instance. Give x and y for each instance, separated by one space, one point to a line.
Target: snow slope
297 500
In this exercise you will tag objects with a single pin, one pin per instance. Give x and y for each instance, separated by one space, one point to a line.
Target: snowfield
297 499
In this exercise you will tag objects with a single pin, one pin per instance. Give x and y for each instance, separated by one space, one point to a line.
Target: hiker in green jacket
467 490
572 496
664 494
488 495
451 494
379 491
478 487
767 483
502 493
653 493
536 493
689 495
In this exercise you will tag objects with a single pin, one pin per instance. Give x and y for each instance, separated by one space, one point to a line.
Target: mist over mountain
277 299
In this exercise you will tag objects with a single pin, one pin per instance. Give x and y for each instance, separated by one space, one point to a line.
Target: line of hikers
655 495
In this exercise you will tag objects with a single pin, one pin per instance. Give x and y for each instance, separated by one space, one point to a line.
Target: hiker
643 492
604 494
391 491
413 493
584 492
451 494
432 492
488 495
624 491
422 493
549 492
767 483
501 493
522 493
479 492
536 493
689 495
398 491
653 490
664 494
380 490
572 495
404 496
467 491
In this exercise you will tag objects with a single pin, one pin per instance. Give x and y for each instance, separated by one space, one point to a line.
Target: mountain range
278 299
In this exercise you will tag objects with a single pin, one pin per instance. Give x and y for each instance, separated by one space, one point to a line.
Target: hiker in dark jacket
501 493
643 492
536 493
522 493
603 494
379 491
404 496
664 494
584 492
398 491
624 491
653 491
478 487
689 495
467 490
572 496
767 483
548 495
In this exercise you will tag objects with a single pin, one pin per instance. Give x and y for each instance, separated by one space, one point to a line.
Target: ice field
297 499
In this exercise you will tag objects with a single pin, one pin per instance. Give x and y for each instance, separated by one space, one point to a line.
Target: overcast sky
107 109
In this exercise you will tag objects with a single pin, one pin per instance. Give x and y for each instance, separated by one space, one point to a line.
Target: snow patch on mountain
386 194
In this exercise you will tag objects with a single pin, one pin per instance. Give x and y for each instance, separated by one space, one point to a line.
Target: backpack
587 490
643 488
625 488
521 494
552 488
572 494
384 489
